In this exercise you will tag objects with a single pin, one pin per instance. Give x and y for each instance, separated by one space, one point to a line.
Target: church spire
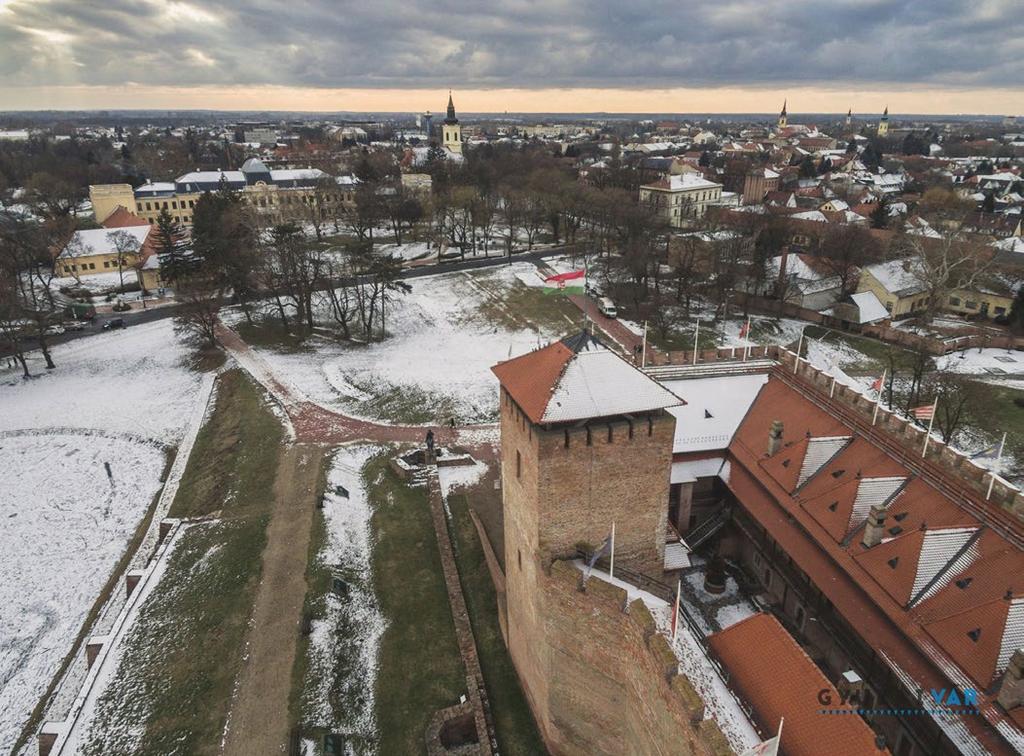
451 110
783 120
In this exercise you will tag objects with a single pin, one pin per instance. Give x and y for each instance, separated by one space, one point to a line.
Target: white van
606 307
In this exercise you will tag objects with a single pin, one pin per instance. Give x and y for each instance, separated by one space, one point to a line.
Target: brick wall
613 682
598 678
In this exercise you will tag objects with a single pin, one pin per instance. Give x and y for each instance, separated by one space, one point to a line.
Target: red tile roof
122 218
530 379
874 589
771 672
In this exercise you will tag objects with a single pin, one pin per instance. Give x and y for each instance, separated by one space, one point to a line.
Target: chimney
1011 692
782 272
775 437
874 528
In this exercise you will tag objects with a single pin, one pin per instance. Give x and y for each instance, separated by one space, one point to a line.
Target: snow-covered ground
439 351
129 381
66 524
982 362
349 632
118 397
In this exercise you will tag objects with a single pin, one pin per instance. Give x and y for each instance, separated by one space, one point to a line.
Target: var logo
954 697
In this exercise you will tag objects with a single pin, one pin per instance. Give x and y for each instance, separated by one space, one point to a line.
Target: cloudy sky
556 55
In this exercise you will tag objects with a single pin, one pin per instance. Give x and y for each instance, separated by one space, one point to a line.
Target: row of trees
280 271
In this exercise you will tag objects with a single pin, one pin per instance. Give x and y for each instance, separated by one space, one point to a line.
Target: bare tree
196 319
126 246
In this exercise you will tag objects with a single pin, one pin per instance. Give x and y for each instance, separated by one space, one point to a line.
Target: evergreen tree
172 249
880 215
1016 317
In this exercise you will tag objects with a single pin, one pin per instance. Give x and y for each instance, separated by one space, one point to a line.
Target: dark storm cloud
595 43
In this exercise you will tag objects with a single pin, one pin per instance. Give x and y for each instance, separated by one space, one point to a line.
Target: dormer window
895 530
974 634
893 562
833 506
962 583
785 463
900 517
838 473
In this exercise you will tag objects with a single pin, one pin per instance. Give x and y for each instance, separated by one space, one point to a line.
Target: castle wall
612 679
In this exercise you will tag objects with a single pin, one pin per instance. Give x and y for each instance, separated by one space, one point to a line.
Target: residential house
682 197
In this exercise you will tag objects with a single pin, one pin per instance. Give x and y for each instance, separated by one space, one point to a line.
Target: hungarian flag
565 283
877 385
923 413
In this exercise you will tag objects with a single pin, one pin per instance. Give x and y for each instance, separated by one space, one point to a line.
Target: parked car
113 323
606 307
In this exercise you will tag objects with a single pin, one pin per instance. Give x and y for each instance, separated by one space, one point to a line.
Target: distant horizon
722 101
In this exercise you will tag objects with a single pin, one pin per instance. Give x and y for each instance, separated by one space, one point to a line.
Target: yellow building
900 287
102 250
987 303
883 125
897 284
451 131
106 198
278 193
681 197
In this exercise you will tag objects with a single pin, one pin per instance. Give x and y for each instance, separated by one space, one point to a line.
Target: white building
681 197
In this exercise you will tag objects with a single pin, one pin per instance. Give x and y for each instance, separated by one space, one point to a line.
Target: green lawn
993 412
419 667
521 307
516 729
185 650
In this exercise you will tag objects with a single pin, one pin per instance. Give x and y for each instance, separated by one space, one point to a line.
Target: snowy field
437 356
66 525
118 397
130 381
344 642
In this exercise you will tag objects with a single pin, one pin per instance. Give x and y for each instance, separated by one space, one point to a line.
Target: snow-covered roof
681 182
579 378
819 452
898 276
209 177
99 241
869 308
714 409
599 383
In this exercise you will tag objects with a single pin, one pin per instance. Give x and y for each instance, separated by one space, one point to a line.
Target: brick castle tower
585 442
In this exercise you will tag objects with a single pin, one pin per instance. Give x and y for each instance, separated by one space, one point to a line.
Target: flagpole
611 558
799 349
675 608
696 336
746 337
931 422
878 400
643 355
992 472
